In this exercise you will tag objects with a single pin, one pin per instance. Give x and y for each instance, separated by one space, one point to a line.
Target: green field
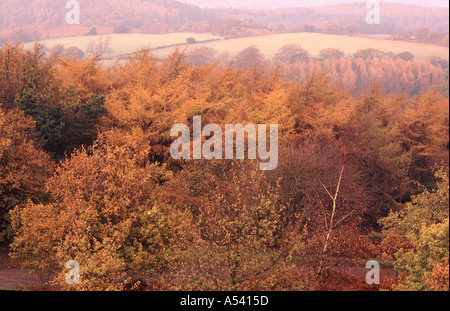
269 44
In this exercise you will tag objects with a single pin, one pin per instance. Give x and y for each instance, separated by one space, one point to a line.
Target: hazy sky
262 4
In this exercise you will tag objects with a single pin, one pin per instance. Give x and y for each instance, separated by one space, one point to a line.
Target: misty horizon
270 4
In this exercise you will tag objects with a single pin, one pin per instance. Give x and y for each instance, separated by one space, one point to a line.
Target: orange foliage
393 243
439 278
136 219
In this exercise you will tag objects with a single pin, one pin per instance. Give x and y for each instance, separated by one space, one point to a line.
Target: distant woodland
31 19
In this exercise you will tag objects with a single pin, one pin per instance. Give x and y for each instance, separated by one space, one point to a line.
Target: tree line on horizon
396 73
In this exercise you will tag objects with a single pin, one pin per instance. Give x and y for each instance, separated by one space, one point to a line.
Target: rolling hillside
25 20
269 45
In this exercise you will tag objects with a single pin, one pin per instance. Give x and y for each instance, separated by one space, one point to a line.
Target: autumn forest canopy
86 172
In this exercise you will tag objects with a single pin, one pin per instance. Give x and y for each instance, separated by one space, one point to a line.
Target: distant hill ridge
163 16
